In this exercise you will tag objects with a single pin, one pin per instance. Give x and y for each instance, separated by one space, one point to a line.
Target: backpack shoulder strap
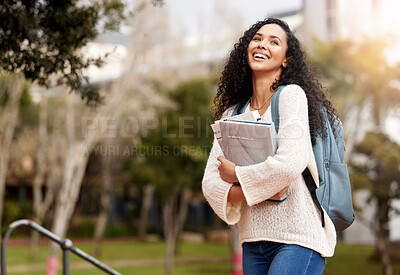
312 187
275 108
241 111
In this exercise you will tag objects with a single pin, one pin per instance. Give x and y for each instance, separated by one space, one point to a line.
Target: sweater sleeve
261 181
216 190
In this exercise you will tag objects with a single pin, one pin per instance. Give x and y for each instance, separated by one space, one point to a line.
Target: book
246 139
247 135
247 142
250 116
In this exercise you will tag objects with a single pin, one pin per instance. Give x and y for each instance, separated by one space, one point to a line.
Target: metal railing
66 246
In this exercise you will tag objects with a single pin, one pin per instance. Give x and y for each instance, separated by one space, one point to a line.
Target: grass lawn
130 257
355 260
209 269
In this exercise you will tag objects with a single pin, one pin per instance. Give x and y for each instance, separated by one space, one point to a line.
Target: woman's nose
262 45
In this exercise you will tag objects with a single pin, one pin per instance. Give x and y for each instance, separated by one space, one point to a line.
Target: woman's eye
256 39
274 42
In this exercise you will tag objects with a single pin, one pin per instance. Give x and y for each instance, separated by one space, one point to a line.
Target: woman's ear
286 62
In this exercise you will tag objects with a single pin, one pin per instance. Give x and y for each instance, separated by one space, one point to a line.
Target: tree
173 156
42 39
83 130
49 157
364 85
147 199
378 170
359 77
106 185
11 87
40 208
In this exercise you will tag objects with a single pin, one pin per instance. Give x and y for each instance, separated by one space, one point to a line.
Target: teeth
257 55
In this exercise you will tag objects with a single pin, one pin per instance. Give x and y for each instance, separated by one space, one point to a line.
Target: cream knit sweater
294 221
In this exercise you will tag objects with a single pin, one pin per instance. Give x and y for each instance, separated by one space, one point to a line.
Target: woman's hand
228 174
227 170
236 194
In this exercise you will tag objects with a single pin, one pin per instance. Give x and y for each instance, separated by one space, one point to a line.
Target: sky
189 14
194 18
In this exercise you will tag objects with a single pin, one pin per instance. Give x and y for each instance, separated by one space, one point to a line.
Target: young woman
285 237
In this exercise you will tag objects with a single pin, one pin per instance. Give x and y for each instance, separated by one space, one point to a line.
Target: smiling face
267 50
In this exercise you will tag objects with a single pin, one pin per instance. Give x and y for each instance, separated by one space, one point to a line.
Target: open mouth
260 56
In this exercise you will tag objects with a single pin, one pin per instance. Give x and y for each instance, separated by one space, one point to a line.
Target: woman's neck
262 91
262 88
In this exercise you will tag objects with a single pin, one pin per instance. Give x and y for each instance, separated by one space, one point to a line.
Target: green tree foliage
358 72
359 76
41 39
378 170
174 155
26 98
28 111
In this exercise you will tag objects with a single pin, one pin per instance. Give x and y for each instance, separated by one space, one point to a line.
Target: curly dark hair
235 85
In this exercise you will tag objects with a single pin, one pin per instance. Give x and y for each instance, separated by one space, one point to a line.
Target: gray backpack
334 191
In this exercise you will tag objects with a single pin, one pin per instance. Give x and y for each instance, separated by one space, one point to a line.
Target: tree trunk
182 213
169 225
101 224
383 250
145 211
74 167
379 223
174 216
52 183
40 173
9 119
236 251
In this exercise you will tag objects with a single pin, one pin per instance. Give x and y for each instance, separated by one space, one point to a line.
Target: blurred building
350 19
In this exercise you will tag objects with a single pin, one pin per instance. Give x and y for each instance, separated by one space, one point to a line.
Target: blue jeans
261 258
